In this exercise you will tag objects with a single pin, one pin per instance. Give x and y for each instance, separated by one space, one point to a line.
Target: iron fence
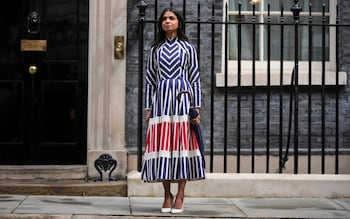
290 140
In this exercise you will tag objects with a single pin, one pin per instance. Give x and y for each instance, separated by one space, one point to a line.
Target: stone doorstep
69 180
44 172
251 185
64 187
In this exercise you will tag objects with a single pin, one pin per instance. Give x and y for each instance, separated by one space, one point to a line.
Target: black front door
43 81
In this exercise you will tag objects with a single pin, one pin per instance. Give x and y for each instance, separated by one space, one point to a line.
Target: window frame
261 65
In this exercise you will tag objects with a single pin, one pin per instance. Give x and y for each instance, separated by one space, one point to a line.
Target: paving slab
291 208
344 202
36 216
92 207
74 205
8 203
146 206
194 207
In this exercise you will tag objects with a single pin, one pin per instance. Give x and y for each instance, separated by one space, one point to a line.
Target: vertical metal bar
281 94
253 89
239 57
198 33
225 104
184 8
212 90
310 91
268 89
296 11
337 94
155 18
323 86
198 37
296 99
142 9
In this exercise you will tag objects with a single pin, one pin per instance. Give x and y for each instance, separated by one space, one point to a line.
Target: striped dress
172 151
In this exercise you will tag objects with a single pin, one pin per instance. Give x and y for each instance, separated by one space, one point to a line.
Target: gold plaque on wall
33 45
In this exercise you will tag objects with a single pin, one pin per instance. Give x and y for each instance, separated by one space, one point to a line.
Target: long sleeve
150 79
194 76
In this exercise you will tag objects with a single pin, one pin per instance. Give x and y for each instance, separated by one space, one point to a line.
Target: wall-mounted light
253 2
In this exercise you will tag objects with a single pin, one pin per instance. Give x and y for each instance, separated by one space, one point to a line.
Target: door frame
106 85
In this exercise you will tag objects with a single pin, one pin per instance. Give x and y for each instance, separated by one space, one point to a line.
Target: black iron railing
290 137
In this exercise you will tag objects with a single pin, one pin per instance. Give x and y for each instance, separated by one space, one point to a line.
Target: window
261 57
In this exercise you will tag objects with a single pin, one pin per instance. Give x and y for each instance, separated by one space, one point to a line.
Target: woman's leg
180 194
167 195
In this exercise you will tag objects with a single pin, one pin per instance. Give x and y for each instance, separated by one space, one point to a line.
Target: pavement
86 207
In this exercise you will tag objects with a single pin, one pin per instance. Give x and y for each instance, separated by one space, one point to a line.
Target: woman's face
170 23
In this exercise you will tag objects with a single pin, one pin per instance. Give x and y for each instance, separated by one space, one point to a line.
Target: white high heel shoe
165 210
178 211
168 210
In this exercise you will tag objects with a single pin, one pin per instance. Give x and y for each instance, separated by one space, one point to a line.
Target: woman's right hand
148 115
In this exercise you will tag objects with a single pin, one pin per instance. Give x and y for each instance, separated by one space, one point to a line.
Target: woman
172 84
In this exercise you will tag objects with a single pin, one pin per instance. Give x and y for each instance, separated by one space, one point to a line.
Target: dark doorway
43 81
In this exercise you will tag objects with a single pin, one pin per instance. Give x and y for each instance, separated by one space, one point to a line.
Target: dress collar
171 40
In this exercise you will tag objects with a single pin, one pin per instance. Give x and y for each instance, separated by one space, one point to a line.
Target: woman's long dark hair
161 33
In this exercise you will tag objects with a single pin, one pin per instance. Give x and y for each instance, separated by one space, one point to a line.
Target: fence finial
142 9
296 9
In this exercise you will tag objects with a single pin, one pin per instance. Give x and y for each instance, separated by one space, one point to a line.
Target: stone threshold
45 172
70 180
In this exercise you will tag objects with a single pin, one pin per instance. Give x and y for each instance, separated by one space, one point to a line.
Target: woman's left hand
197 120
